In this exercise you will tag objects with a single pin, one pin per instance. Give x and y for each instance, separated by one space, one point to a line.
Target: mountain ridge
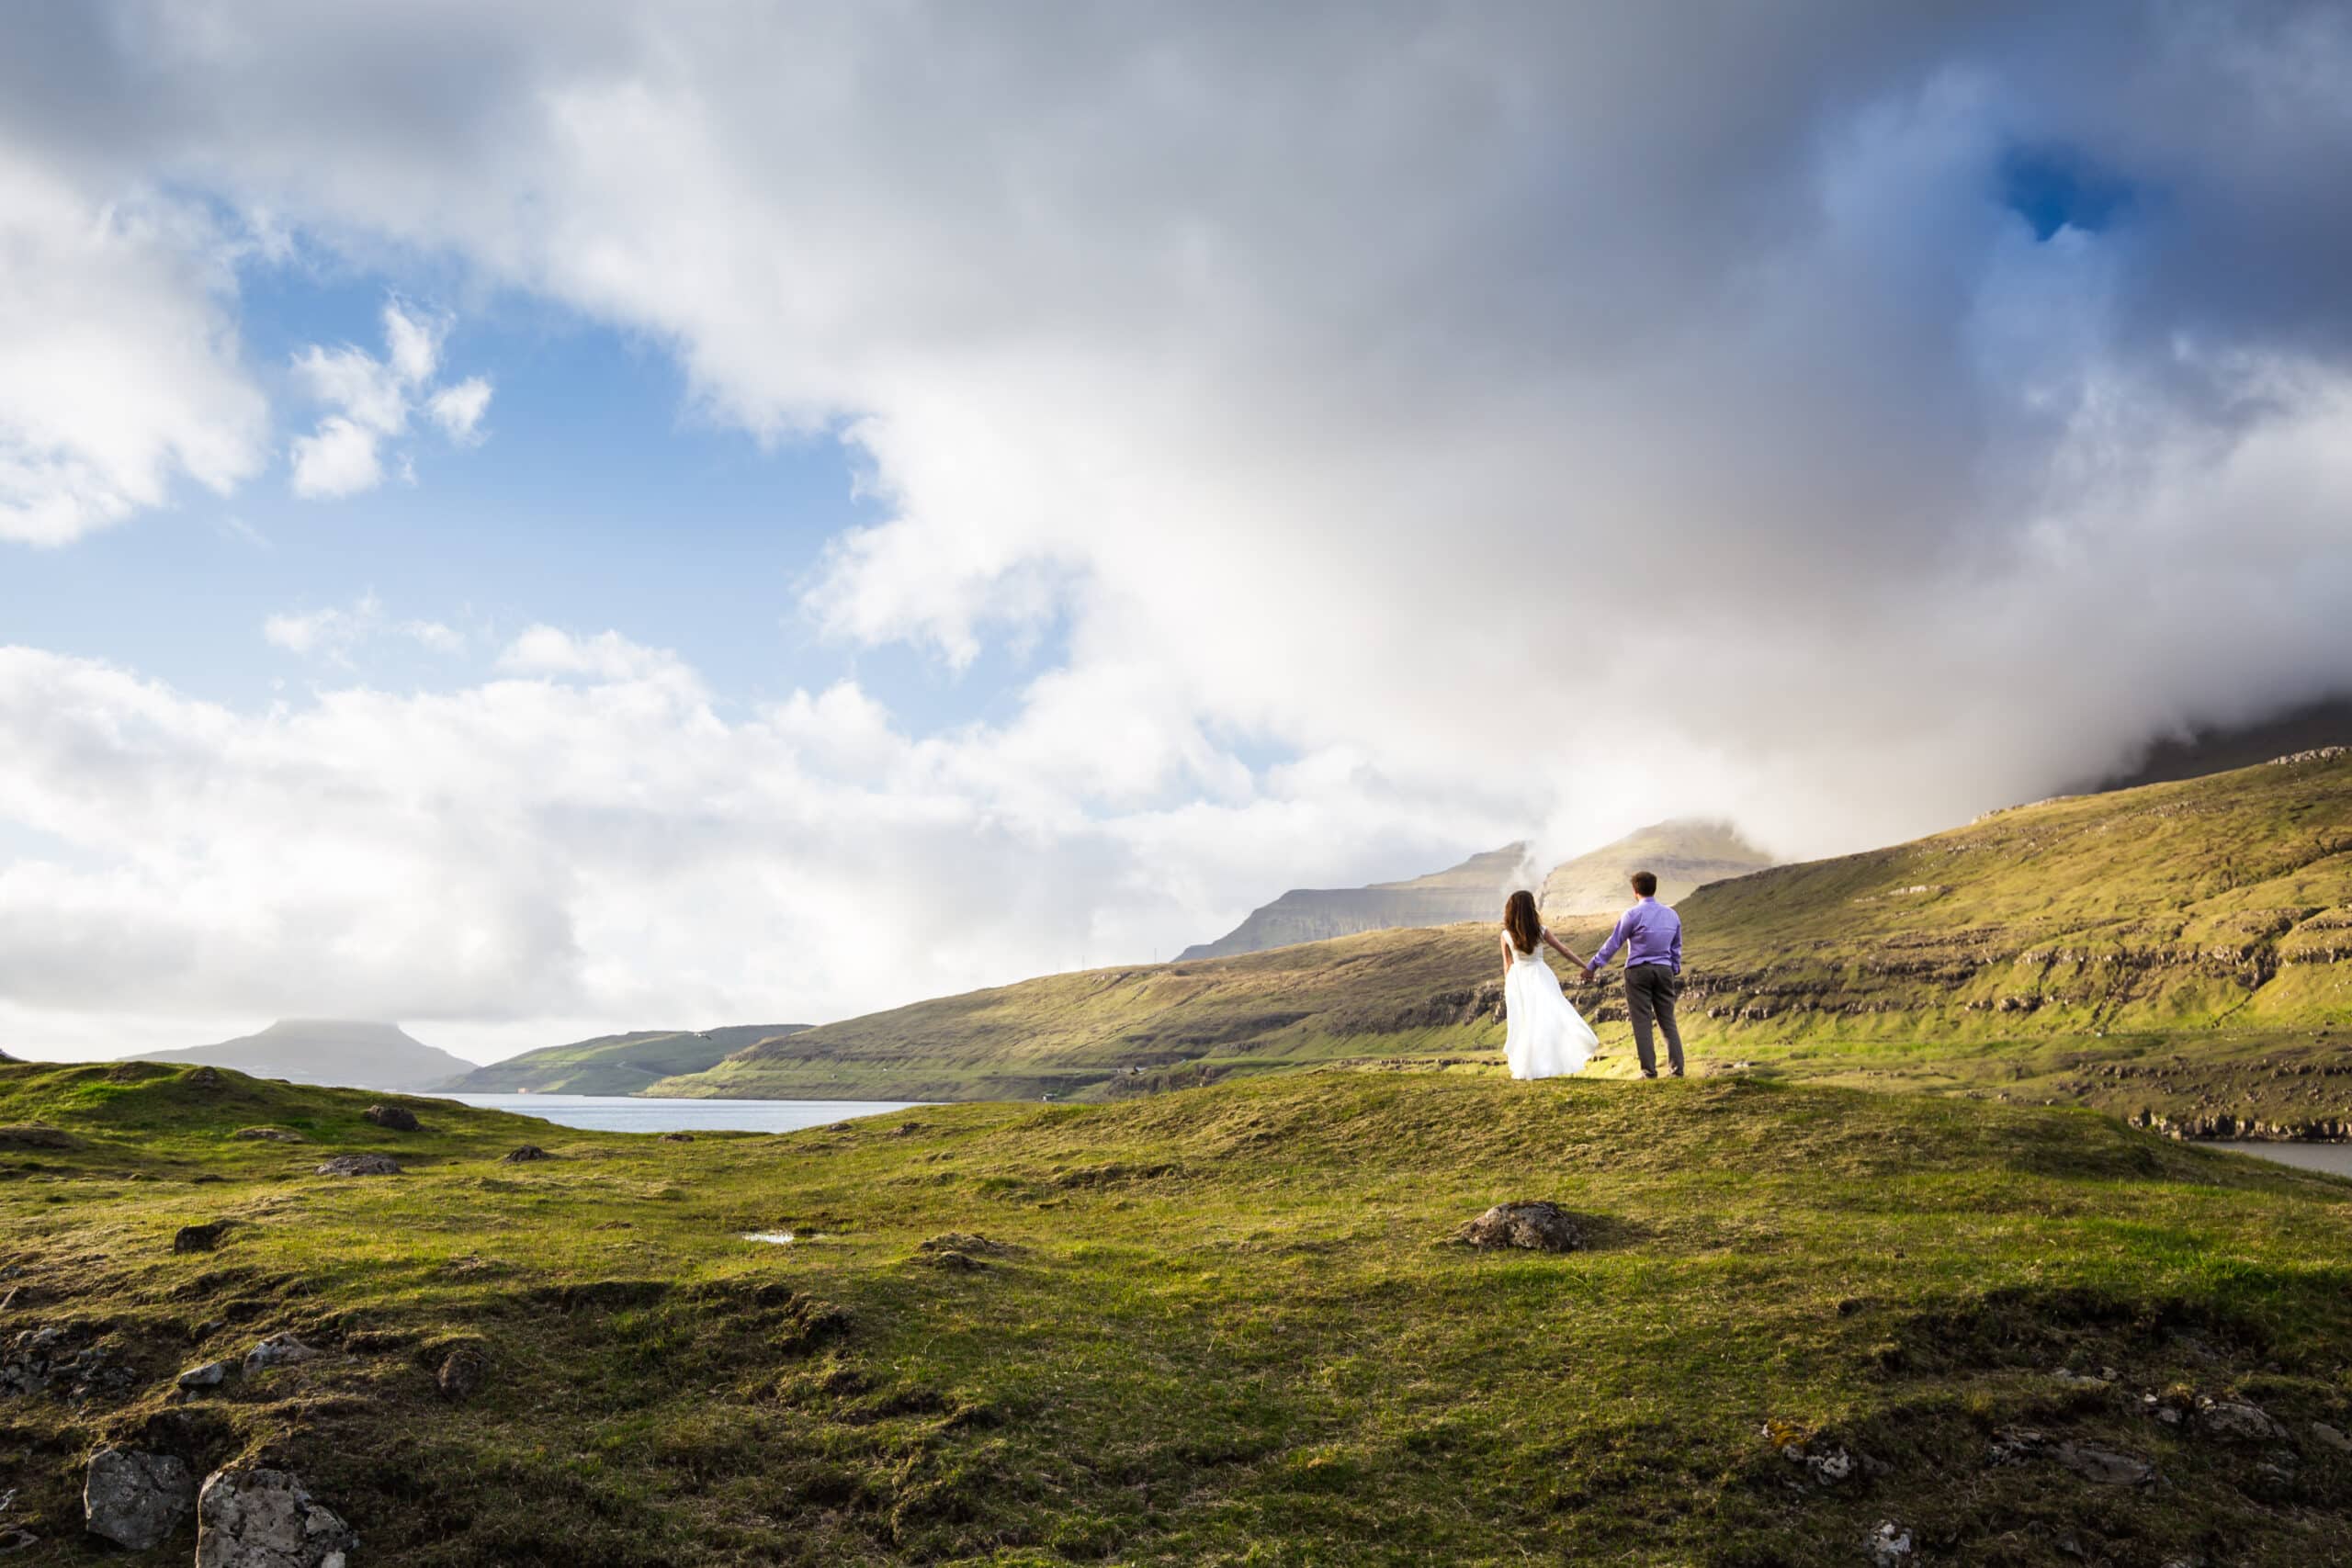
353 1052
621 1064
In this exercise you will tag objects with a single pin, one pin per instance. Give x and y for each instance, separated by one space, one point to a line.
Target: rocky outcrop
258 1518
392 1118
462 1372
269 1136
1541 1227
136 1500
361 1165
524 1155
277 1351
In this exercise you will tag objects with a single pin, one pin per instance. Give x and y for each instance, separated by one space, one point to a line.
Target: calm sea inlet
612 1114
2334 1159
615 1113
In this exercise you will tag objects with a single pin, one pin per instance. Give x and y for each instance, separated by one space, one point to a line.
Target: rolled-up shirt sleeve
1616 940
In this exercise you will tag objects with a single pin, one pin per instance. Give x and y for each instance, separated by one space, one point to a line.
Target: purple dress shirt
1649 932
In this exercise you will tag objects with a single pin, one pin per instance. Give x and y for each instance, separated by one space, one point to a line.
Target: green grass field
1220 1325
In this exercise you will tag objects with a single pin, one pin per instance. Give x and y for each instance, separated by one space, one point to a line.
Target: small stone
361 1165
2331 1438
1539 1227
391 1117
524 1155
134 1499
677 1137
201 1238
211 1374
277 1351
269 1136
1889 1544
954 1262
265 1518
462 1373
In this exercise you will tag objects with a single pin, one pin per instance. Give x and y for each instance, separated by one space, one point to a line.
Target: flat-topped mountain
356 1053
614 1064
2175 909
1685 855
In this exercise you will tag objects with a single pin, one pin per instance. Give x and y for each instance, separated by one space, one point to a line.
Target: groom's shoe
1649 1073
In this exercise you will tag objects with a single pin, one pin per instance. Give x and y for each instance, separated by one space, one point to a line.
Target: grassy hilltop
1221 1327
2183 948
613 1064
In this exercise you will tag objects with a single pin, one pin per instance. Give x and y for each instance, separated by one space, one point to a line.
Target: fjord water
619 1113
2334 1159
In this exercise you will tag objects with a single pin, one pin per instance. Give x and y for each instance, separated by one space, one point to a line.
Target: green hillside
2182 949
1224 1326
614 1064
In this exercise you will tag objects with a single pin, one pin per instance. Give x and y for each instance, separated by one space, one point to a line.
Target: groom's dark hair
1645 883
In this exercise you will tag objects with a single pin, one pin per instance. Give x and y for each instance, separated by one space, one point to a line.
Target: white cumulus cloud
374 400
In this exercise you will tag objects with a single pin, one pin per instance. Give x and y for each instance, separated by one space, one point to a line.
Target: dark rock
134 1499
1541 1227
60 1361
256 1518
201 1238
269 1136
34 1135
2102 1466
524 1155
361 1165
204 1077
677 1137
391 1117
906 1129
2237 1420
277 1351
462 1373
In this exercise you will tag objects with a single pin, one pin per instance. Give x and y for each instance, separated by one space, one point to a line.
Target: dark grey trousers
1649 994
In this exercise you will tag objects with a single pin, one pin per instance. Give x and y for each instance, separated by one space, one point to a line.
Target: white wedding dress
1546 1037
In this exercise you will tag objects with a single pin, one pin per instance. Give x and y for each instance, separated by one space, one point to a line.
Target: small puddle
772 1238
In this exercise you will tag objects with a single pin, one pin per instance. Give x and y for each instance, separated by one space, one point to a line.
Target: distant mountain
330 1051
1686 855
1473 890
614 1064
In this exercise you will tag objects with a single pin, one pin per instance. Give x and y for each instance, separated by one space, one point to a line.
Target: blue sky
603 496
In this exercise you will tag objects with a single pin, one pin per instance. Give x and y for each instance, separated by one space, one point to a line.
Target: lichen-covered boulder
361 1165
136 1500
254 1517
1539 1227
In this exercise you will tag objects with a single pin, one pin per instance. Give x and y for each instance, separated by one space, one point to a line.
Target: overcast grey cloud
1963 392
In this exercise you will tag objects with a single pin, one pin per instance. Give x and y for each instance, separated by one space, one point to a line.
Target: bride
1546 1037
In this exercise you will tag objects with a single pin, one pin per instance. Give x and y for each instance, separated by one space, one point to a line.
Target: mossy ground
1218 1326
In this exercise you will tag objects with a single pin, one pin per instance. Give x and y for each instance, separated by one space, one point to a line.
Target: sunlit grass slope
2154 927
1213 1326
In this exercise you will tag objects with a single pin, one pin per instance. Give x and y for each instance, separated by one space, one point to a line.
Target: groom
1651 935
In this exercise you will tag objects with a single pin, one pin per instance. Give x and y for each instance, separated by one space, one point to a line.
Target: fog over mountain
1289 442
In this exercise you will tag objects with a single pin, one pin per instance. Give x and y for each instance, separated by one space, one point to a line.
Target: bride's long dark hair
1520 921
